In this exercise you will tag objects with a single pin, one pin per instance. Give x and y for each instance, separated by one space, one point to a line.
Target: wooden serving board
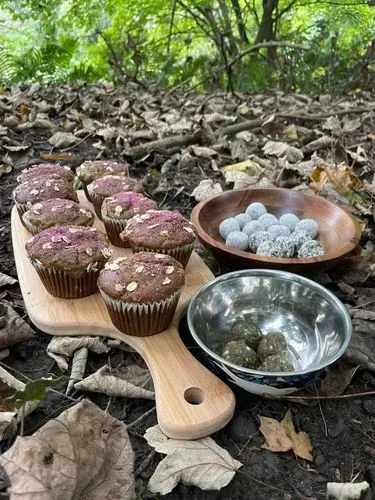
191 402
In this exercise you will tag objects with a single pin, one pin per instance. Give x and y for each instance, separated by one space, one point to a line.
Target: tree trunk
266 32
240 23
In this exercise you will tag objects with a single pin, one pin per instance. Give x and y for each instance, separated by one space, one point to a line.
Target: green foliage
189 41
35 390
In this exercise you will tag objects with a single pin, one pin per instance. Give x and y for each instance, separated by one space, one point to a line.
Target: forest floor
322 144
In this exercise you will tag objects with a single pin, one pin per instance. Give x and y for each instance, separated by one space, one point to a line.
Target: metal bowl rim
272 273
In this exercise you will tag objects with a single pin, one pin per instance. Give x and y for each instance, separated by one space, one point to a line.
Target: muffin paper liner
86 192
113 229
182 254
60 284
141 320
97 202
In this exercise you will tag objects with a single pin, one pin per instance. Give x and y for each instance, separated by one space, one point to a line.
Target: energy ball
249 332
309 225
276 363
279 230
228 226
242 219
267 249
252 227
311 248
300 238
256 210
238 240
272 343
268 220
256 239
285 246
238 353
289 220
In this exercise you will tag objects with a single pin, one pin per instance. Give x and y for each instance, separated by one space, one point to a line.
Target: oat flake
89 251
132 286
189 229
139 269
169 270
119 287
166 281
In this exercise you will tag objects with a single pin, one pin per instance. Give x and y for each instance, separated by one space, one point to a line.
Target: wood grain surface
191 402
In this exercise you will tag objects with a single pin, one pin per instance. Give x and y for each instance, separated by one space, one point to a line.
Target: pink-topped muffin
118 209
109 185
49 170
56 212
40 189
68 259
161 231
141 291
90 170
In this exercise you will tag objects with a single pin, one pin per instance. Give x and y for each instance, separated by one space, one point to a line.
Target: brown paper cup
113 229
182 254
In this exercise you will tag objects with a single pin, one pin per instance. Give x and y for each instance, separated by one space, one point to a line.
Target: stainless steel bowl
315 323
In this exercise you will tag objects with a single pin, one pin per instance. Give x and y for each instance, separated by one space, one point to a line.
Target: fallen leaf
342 178
244 166
203 152
281 437
78 367
351 125
63 140
279 149
333 124
84 453
205 189
201 463
126 382
348 491
67 345
15 329
6 280
338 377
238 150
240 179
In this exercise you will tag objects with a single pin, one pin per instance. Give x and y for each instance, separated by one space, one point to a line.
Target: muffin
28 193
89 171
118 209
141 292
56 212
49 170
68 259
161 231
108 186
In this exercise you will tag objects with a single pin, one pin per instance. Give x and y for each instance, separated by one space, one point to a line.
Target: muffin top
142 277
159 229
56 212
73 249
88 171
113 184
125 205
41 189
46 170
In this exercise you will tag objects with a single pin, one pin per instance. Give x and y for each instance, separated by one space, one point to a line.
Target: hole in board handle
194 396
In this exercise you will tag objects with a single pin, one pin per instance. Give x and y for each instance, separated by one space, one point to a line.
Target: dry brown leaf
205 189
6 280
341 178
281 437
83 454
279 149
78 367
67 345
131 382
15 328
63 140
201 463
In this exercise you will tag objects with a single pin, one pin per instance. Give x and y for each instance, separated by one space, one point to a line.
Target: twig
146 462
171 26
262 45
139 419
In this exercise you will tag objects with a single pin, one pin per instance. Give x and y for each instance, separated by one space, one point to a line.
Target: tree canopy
237 45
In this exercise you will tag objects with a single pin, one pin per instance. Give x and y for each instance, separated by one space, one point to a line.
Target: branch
171 26
200 22
262 45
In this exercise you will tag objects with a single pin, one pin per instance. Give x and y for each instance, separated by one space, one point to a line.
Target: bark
266 32
240 22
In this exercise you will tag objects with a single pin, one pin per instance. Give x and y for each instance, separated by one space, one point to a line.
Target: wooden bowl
338 231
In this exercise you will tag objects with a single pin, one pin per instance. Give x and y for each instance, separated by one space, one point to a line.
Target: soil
340 430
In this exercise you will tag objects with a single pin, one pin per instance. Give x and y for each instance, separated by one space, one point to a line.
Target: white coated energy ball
299 238
252 227
242 219
256 239
289 220
268 220
228 226
309 225
311 248
238 240
285 246
256 210
279 230
267 249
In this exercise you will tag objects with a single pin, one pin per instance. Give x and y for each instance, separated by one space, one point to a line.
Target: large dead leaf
201 463
130 382
67 345
63 140
279 149
205 189
6 280
341 178
281 437
83 454
13 329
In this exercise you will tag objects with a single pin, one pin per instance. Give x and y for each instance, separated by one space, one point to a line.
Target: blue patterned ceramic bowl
314 322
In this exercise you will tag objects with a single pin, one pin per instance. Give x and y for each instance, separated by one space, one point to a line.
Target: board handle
191 402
